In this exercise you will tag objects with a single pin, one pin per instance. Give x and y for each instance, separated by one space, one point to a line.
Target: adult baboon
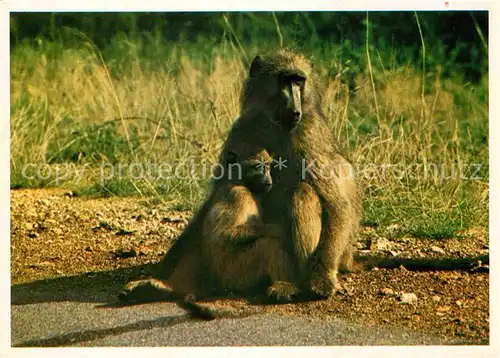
226 248
281 111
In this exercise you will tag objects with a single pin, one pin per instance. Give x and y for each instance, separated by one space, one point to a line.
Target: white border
246 5
7 6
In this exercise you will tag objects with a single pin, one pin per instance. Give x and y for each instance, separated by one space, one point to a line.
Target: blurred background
405 92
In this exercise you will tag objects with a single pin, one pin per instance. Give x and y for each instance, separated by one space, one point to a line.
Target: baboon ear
232 157
256 66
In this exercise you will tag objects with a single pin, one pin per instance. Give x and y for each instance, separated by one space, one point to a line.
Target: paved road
75 311
163 324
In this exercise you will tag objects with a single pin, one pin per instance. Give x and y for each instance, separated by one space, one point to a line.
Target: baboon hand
323 283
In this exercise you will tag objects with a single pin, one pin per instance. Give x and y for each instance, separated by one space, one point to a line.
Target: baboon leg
341 204
243 268
184 280
306 226
279 268
335 246
186 276
347 263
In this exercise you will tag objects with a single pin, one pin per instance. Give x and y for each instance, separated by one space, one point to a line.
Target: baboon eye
300 83
288 78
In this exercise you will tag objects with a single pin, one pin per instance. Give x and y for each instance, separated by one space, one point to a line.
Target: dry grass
74 111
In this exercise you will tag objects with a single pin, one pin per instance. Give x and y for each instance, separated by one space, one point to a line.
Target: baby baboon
281 112
234 252
241 251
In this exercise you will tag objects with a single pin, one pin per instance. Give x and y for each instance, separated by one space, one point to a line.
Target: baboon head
253 171
282 86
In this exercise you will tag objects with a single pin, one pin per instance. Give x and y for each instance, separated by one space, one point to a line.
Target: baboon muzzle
262 186
292 113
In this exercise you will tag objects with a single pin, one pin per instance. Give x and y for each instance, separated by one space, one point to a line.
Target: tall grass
76 112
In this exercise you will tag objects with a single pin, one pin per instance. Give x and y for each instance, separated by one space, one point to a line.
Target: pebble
408 298
437 249
57 231
386 291
382 244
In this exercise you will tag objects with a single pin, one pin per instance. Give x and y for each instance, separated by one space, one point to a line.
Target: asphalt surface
81 324
80 311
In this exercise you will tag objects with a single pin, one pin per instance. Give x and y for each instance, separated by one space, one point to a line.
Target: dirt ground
54 234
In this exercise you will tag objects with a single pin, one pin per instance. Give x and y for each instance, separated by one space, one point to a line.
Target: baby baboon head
253 170
282 85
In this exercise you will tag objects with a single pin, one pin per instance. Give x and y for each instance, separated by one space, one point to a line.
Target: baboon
242 250
281 112
226 248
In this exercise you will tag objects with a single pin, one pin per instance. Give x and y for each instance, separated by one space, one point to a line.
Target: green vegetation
122 118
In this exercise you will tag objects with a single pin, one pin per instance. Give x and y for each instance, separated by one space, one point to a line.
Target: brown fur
304 141
235 251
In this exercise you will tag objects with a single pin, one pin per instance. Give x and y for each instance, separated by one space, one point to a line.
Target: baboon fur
226 248
290 124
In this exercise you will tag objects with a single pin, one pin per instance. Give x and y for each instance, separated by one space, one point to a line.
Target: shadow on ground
102 286
93 334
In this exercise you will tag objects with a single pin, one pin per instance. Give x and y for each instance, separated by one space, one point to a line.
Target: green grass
77 110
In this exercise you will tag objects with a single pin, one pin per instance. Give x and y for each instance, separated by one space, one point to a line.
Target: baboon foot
324 284
148 290
282 291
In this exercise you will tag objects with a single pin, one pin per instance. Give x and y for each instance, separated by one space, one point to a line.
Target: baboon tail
195 309
480 263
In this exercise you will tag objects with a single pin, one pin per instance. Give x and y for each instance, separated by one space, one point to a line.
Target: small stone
436 298
443 308
382 244
408 298
32 235
57 231
50 222
459 303
386 292
437 249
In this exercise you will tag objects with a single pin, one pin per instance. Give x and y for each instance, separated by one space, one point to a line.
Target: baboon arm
243 234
